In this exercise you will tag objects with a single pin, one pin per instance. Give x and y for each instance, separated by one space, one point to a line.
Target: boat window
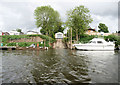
99 42
92 42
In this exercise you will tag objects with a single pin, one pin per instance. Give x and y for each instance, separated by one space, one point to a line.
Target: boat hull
95 47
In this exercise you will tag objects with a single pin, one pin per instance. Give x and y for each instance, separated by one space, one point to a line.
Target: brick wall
31 39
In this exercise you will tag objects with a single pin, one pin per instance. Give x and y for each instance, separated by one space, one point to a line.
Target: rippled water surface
59 65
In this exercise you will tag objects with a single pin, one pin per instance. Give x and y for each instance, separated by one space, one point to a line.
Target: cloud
20 14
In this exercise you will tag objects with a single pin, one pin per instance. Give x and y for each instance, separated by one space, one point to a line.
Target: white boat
96 44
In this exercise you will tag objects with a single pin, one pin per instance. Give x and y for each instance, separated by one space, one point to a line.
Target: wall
31 39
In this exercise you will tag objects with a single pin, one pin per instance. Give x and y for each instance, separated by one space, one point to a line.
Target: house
6 33
59 35
14 32
31 33
91 31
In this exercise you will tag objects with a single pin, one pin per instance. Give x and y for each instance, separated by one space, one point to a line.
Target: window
92 42
100 42
59 36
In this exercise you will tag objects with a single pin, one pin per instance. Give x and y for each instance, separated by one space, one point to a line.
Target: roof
91 29
59 33
32 31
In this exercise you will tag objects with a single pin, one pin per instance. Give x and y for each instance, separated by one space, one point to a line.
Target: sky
20 13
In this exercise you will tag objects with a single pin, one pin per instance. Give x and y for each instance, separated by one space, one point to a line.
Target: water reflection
59 66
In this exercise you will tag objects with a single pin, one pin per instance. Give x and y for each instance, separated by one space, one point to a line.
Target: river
59 66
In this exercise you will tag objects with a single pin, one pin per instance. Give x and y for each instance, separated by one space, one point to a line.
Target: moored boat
96 44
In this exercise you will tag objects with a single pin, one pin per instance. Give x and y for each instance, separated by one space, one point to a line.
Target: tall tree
78 19
48 19
103 28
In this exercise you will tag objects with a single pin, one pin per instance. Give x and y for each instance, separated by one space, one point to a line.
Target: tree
48 19
18 30
103 28
78 19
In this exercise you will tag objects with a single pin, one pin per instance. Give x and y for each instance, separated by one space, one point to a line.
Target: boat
96 44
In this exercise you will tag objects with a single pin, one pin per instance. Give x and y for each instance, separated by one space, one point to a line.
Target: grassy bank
6 38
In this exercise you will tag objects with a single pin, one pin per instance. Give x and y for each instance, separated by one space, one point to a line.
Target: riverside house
91 31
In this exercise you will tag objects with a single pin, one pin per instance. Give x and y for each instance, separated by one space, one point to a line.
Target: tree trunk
77 36
47 33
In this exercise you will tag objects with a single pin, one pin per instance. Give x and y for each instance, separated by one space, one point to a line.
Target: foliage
45 37
48 19
6 38
84 38
18 30
113 38
78 19
103 28
26 44
65 39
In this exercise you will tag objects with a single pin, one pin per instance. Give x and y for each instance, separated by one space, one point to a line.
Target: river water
59 66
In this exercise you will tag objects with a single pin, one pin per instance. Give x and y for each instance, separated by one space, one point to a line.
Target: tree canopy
48 19
78 19
18 30
103 28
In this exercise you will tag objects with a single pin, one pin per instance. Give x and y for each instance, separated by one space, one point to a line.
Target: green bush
114 38
11 44
65 39
6 38
45 37
86 38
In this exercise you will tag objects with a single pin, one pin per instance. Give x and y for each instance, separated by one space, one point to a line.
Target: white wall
59 35
31 33
14 33
0 33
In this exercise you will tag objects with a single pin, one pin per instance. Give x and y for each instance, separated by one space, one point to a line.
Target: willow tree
78 19
48 19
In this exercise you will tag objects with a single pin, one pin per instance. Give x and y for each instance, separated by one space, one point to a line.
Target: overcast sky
20 13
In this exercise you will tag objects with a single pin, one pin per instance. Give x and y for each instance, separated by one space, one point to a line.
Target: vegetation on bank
6 38
84 38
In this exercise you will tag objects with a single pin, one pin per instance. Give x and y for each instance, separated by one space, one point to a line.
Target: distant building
0 33
91 31
31 33
6 33
59 35
14 32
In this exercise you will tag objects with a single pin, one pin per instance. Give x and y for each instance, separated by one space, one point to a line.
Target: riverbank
22 48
